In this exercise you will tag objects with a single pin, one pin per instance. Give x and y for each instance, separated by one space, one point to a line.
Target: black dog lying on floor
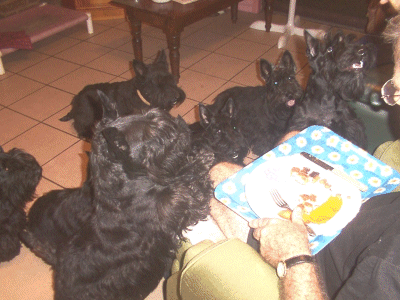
144 188
20 173
152 86
260 113
331 85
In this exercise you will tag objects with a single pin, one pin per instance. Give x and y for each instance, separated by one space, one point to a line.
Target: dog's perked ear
287 62
350 38
312 44
205 115
181 122
266 69
229 108
119 150
109 110
337 38
140 68
161 57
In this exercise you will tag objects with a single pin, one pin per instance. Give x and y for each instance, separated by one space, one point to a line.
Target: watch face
281 269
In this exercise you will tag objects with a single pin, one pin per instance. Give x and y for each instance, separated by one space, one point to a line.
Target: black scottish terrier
348 61
145 187
55 218
152 86
218 132
342 62
259 113
20 173
338 67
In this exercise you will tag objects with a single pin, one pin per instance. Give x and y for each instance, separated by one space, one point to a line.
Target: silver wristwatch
283 266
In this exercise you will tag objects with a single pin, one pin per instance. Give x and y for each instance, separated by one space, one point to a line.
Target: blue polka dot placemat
326 145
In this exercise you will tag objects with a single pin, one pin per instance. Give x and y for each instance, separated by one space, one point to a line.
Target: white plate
276 174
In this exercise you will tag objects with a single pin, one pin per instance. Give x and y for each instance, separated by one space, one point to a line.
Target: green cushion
229 270
389 153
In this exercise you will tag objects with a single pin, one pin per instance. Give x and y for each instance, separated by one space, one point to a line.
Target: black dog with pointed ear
337 73
341 63
217 131
145 186
20 173
152 86
260 113
59 215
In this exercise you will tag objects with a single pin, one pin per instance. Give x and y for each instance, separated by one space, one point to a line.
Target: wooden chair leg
234 12
268 11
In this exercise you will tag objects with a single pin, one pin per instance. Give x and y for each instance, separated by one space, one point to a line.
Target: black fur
218 132
20 173
145 187
331 85
349 60
154 82
261 113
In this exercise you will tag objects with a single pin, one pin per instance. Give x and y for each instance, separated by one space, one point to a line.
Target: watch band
283 266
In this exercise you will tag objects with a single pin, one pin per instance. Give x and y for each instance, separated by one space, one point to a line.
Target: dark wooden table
171 17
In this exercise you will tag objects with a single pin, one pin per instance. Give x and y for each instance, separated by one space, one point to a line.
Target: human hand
281 239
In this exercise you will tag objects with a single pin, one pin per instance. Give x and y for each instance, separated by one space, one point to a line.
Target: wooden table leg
268 11
136 29
234 12
173 40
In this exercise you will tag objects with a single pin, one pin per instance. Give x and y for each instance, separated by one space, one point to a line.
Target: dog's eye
290 78
329 50
219 131
3 166
234 128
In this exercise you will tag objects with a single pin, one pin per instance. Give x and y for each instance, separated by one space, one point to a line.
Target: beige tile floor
39 85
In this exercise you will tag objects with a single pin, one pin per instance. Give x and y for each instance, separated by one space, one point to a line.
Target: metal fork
278 199
282 203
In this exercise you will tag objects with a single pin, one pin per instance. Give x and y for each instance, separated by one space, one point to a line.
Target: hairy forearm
230 223
302 282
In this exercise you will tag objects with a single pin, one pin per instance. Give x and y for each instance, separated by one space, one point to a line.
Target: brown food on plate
325 183
306 197
300 175
315 176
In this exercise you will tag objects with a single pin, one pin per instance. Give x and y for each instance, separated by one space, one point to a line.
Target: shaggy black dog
20 173
348 61
56 217
261 113
152 86
145 187
218 132
331 85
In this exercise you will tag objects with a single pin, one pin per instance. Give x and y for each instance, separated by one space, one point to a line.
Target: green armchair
228 270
